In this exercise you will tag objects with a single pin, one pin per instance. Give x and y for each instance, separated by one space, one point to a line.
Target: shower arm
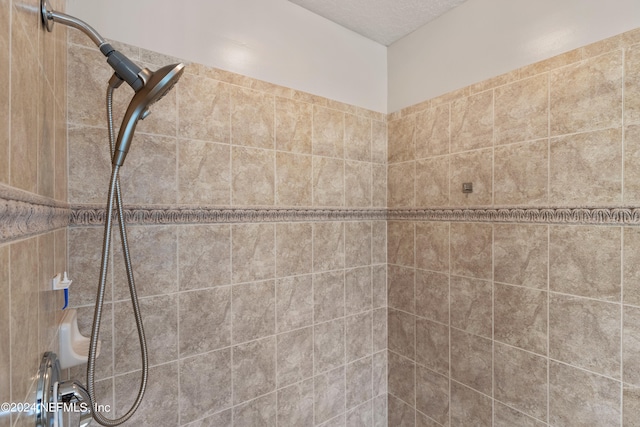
124 68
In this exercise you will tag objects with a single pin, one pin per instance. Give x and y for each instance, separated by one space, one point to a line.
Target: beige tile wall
495 324
246 323
33 150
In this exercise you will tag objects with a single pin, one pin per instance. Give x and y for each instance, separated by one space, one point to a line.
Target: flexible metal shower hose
114 190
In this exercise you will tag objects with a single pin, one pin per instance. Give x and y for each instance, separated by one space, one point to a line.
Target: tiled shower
301 261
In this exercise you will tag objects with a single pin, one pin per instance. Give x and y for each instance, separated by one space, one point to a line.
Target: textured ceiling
384 21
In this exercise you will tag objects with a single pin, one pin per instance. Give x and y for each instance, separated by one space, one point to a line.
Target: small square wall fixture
467 187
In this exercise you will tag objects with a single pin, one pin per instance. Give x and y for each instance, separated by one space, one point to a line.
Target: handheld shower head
157 86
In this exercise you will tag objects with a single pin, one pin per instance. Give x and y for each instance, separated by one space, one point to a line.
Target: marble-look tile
432 346
294 303
520 255
357 183
293 125
401 137
632 85
585 333
401 182
432 182
379 141
520 380
295 405
204 173
204 259
197 375
23 343
380 373
293 249
357 138
155 409
328 246
471 250
360 416
432 296
328 181
379 285
5 87
594 175
522 110
358 377
586 95
329 346
432 395
46 141
472 122
160 320
400 414
402 333
379 242
401 288
380 335
631 258
293 179
253 252
294 356
471 305
358 336
358 248
400 243
630 406
475 167
328 296
61 159
424 421
259 412
586 261
357 285
521 317
471 361
505 416
402 378
630 346
432 132
252 118
329 392
154 257
328 132
253 176
104 363
85 253
253 314
254 369
469 407
378 186
204 320
631 163
432 246
521 174
204 108
89 165
579 398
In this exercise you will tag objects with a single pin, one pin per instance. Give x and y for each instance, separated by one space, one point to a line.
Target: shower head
157 85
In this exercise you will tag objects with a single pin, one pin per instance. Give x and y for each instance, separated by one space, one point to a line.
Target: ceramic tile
295 405
472 122
328 246
357 182
379 286
293 125
432 182
402 376
632 85
595 175
5 336
630 346
294 303
400 243
204 173
401 182
400 414
258 412
89 165
471 361
432 132
469 407
204 260
293 249
432 395
357 286
358 382
587 95
361 416
328 132
379 186
293 179
253 176
204 108
204 320
579 398
253 252
329 392
521 174
254 369
357 243
402 333
521 254
358 336
474 167
505 416
357 138
630 406
630 274
522 110
471 250
432 246
401 137
252 118
432 346
378 141
329 346
328 296
294 356
521 317
253 314
432 296
471 305
328 181
401 288
585 333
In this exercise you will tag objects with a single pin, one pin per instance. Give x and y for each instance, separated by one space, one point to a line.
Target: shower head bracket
45 9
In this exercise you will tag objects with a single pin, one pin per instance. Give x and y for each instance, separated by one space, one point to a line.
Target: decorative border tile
24 214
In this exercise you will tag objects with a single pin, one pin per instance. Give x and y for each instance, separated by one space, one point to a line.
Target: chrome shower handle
74 392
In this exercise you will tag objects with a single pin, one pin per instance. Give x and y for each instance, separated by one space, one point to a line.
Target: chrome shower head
157 85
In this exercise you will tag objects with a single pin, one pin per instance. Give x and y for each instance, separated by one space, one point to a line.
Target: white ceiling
384 21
